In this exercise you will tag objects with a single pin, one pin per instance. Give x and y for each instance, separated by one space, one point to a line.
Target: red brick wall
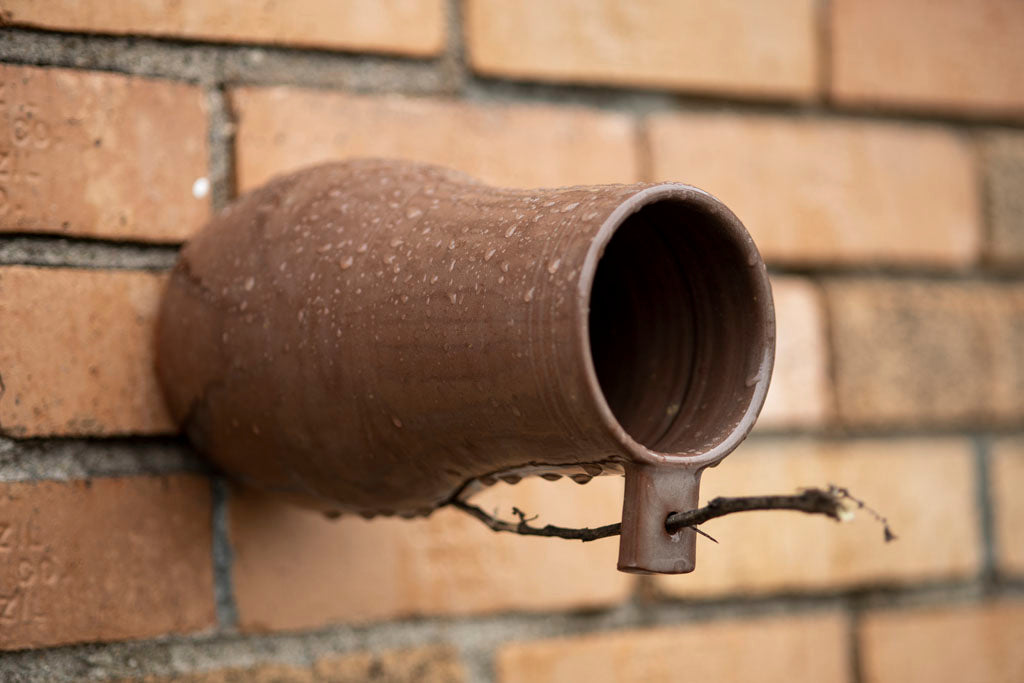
874 149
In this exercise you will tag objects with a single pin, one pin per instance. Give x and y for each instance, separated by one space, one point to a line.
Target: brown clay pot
379 337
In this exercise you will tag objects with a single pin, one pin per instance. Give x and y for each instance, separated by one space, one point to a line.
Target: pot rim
726 220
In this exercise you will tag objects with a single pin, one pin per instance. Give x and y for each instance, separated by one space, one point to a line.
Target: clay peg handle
653 492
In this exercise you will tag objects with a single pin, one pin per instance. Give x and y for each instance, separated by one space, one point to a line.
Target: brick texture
427 664
281 129
681 45
106 559
944 645
926 488
412 27
1006 483
927 352
438 664
295 569
76 352
943 55
782 650
800 394
100 155
820 190
1004 185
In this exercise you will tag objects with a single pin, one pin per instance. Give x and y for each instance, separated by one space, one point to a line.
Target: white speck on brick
201 188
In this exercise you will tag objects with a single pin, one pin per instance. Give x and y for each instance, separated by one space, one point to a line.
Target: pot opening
678 318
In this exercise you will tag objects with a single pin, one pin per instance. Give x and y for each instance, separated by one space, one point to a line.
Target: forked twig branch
834 502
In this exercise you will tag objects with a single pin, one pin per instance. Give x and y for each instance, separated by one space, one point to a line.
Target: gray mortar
218 64
986 508
140 56
38 250
68 459
223 557
336 71
221 133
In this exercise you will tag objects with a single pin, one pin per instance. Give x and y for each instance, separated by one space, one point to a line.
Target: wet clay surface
378 337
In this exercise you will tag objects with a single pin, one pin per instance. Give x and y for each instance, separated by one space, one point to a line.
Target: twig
523 526
828 502
844 494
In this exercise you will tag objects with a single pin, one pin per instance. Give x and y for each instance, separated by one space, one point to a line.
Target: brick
916 352
410 27
104 559
1004 192
438 664
280 129
940 644
294 569
925 487
943 55
1006 472
768 650
816 190
100 155
649 43
76 352
800 394
434 664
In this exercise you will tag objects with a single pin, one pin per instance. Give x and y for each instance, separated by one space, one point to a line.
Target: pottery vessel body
377 337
